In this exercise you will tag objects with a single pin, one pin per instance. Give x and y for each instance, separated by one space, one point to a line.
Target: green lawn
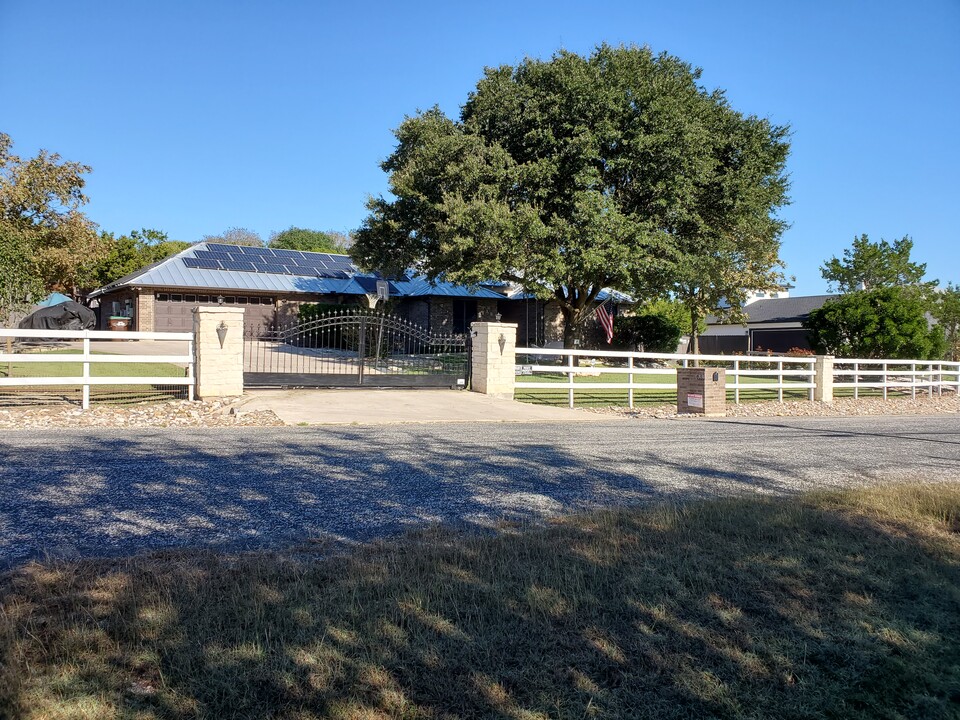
831 605
585 396
105 393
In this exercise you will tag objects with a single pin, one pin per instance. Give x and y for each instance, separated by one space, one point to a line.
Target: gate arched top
356 318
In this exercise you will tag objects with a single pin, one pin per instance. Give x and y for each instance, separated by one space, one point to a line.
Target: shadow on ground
824 607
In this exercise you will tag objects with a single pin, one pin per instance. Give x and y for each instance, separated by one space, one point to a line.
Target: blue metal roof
174 273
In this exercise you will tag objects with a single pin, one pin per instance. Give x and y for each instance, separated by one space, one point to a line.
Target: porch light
222 332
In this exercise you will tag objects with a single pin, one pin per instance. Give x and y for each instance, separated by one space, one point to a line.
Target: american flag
606 321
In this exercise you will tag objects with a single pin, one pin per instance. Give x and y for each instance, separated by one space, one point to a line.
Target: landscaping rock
175 413
843 407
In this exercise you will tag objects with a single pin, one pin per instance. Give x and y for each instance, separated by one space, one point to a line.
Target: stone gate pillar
218 351
493 358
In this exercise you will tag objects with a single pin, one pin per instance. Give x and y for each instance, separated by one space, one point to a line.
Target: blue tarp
52 299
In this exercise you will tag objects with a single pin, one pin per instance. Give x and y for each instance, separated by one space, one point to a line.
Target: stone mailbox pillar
823 379
493 358
702 391
218 351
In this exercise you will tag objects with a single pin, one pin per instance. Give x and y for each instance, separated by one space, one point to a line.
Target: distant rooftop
780 310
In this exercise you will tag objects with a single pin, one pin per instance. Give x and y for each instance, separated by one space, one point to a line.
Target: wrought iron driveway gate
354 348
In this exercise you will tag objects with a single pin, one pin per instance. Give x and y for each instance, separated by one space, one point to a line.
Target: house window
203 298
241 301
163 297
176 298
229 300
254 301
190 298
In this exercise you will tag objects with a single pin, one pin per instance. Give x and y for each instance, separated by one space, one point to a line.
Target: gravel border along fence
228 413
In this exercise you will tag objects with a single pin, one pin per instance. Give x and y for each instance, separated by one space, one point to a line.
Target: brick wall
486 310
441 315
143 314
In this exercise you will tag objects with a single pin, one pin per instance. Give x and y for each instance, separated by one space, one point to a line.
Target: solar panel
217 247
270 267
288 255
201 264
297 270
237 265
213 255
255 251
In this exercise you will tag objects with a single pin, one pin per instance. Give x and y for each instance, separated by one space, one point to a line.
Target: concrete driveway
388 406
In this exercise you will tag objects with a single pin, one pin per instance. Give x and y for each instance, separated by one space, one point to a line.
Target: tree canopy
48 243
235 236
574 174
888 322
869 265
295 238
128 253
947 312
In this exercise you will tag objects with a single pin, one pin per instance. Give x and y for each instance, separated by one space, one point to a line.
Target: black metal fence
354 347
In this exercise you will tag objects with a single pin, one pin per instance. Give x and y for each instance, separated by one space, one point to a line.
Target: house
773 323
271 284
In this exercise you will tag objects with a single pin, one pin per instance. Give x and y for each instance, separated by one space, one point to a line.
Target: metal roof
780 310
174 273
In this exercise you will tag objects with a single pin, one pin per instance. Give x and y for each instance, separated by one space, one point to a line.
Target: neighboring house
772 324
271 285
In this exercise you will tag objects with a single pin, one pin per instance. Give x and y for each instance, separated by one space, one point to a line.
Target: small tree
648 333
887 322
867 265
40 201
20 282
295 238
129 253
236 236
947 312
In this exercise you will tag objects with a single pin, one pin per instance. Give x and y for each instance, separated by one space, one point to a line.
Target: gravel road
72 493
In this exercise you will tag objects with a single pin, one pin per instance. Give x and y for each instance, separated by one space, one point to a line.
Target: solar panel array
268 260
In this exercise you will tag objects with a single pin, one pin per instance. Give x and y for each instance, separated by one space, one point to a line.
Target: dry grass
839 605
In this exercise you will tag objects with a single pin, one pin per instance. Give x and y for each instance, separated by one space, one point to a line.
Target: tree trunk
572 329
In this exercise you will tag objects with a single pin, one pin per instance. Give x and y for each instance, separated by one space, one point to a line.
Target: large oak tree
617 170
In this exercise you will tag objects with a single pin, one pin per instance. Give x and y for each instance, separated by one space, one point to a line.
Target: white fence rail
747 373
901 376
83 357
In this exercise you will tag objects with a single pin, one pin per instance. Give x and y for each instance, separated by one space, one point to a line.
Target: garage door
173 312
779 341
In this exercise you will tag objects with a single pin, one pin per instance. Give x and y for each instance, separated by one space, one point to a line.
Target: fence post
218 351
493 359
85 404
823 379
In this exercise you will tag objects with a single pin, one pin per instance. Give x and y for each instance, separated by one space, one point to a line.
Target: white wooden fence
900 376
743 372
83 357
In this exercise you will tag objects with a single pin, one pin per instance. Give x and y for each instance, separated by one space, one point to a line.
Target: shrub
654 333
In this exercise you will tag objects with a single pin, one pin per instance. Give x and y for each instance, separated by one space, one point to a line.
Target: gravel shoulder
84 492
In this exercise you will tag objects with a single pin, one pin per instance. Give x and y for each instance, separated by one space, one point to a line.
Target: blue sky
199 116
